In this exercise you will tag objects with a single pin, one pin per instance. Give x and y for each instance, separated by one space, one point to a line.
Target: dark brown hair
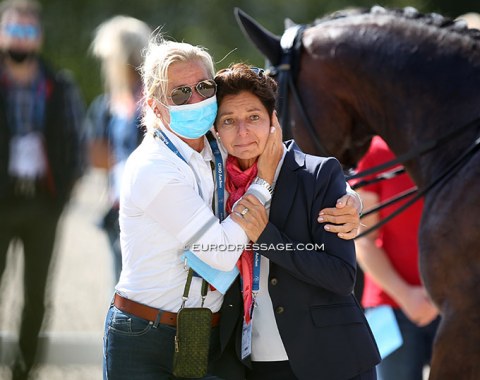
241 77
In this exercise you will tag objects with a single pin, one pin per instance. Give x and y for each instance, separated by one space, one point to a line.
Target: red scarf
236 184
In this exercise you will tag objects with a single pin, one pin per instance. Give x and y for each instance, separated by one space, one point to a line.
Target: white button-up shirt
166 206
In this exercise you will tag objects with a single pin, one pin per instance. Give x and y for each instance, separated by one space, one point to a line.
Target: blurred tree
69 25
453 8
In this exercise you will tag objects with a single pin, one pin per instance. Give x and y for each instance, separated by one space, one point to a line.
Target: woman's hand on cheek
269 159
251 215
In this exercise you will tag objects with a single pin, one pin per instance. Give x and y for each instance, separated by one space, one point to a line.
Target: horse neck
406 98
419 119
422 118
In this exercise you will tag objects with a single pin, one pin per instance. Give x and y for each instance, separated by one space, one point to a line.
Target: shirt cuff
359 199
262 194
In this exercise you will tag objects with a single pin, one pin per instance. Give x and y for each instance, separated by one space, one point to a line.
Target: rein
413 153
444 176
417 151
291 43
380 177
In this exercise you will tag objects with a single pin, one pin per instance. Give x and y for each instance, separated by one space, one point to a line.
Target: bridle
286 72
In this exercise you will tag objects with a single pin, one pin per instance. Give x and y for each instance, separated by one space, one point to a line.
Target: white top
27 156
165 206
267 343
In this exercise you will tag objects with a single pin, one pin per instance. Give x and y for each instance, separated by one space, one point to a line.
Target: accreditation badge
247 338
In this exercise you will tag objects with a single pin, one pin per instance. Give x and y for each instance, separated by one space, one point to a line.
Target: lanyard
28 107
218 167
255 281
256 274
162 136
219 176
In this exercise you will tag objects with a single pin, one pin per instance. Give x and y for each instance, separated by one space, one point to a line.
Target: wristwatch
263 183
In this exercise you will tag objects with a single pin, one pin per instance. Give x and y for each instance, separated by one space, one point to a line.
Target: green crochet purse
192 340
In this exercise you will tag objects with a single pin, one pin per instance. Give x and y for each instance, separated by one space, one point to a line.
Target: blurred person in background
389 259
113 118
41 114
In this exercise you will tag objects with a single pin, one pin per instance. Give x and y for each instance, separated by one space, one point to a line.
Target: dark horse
414 80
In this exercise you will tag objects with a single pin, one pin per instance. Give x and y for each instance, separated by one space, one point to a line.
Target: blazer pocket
331 315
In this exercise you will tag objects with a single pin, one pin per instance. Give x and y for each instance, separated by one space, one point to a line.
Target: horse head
349 140
396 73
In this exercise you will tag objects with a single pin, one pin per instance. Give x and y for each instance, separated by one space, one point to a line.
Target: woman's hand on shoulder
343 219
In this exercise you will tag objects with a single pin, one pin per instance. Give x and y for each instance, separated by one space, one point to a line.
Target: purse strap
204 289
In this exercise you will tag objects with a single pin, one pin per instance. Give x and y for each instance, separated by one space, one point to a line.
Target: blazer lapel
286 185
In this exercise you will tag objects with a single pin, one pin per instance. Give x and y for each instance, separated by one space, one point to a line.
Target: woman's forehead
186 73
243 101
14 16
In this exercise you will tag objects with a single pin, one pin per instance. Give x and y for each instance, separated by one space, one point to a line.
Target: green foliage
69 25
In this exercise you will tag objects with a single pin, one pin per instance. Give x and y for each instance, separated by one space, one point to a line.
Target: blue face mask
192 121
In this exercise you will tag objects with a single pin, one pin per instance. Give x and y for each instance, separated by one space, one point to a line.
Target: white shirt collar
184 149
279 166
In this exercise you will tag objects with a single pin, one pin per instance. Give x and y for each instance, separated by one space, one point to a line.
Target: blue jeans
408 361
135 349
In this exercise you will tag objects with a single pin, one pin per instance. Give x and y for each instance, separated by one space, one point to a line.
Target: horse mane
409 14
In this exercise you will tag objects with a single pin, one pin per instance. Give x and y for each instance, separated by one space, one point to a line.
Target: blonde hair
472 19
162 53
24 7
119 43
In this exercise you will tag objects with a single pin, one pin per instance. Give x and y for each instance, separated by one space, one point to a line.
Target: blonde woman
113 120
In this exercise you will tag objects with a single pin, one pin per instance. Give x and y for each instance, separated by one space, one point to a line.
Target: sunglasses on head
257 70
181 95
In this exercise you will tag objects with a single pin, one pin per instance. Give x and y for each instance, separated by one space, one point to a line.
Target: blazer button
274 281
279 310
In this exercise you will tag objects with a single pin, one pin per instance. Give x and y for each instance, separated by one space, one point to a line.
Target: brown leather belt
150 314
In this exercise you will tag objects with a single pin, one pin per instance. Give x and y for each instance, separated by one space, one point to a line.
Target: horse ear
264 40
289 23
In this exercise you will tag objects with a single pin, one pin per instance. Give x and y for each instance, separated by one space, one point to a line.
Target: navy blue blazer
321 324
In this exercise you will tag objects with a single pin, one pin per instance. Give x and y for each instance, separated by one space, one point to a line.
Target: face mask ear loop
158 115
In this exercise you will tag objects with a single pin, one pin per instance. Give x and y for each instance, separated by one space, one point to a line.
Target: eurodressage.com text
288 247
